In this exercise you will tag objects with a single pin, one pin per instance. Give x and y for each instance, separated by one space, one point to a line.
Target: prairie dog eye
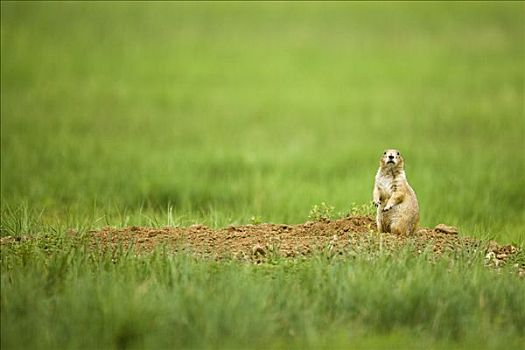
397 153
384 153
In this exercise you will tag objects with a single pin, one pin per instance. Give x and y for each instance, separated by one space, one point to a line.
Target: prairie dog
395 200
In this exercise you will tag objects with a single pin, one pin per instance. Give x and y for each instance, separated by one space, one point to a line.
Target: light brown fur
396 201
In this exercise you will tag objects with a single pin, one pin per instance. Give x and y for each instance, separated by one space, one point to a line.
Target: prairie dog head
391 159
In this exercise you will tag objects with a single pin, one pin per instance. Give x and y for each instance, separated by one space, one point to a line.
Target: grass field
180 113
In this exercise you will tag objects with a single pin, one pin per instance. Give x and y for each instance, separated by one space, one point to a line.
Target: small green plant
256 220
321 212
364 209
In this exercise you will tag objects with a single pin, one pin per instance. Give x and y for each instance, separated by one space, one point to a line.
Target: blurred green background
224 111
173 113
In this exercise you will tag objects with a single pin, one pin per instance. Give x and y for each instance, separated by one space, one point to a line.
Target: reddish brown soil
256 243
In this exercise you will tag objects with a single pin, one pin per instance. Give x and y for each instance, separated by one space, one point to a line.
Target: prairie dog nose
390 157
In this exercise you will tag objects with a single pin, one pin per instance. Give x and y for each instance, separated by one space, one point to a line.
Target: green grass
176 113
70 296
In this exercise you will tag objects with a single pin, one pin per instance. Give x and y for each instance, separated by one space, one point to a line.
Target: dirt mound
355 234
257 243
243 241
